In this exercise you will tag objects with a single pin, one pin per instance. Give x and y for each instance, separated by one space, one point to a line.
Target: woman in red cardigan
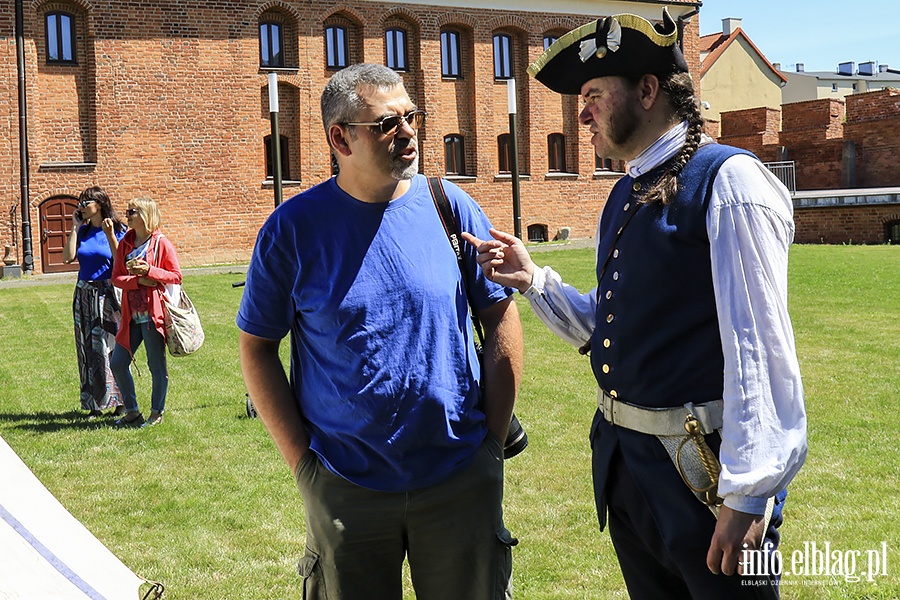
145 264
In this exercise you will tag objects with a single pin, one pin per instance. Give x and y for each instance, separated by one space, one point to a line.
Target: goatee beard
406 170
402 169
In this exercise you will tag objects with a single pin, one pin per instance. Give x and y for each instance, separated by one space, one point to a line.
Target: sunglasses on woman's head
84 203
131 212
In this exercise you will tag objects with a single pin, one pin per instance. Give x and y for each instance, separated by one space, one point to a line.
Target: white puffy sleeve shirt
750 226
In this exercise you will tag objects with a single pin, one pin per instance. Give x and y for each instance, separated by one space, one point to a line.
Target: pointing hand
504 259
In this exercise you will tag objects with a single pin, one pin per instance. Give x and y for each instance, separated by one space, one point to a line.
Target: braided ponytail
680 90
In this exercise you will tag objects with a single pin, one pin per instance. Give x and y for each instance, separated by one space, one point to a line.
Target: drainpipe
27 254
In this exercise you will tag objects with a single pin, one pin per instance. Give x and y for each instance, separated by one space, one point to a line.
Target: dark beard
622 124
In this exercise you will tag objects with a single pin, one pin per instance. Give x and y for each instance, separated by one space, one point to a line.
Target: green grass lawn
204 504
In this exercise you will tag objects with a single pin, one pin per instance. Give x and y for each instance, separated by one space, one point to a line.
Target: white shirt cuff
746 504
537 284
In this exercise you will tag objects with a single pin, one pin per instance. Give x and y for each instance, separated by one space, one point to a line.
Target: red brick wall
813 132
10 228
753 129
762 120
843 225
168 102
712 128
873 123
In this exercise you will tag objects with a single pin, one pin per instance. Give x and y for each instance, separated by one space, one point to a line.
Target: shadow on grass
56 421
48 422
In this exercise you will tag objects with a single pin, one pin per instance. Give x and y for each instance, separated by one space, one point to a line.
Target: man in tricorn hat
701 422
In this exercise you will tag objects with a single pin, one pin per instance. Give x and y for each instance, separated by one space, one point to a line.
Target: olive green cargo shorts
452 534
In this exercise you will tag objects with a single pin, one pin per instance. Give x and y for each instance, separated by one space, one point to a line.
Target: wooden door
55 217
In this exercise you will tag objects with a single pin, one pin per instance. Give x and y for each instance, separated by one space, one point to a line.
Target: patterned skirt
97 316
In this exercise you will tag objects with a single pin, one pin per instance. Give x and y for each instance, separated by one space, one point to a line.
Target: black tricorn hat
624 45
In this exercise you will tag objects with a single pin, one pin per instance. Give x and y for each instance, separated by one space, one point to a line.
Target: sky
819 34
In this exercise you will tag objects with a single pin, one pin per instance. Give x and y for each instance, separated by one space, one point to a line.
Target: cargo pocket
503 586
313 584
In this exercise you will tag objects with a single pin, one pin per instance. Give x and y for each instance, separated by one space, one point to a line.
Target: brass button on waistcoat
627 206
613 394
605 368
609 294
609 318
616 253
606 343
636 186
615 275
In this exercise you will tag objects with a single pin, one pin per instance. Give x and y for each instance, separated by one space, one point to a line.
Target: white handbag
184 334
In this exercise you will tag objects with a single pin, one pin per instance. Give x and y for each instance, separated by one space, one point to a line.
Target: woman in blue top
95 235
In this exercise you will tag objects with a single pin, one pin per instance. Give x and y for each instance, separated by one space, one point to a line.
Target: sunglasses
84 203
131 212
390 124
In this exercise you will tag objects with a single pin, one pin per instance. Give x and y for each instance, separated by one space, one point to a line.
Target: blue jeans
120 364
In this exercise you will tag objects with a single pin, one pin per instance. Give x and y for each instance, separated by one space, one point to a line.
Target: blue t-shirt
95 257
383 363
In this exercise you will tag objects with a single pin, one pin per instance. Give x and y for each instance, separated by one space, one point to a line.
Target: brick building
846 146
168 99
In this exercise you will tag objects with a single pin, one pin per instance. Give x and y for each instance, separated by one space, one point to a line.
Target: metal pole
27 251
276 140
514 158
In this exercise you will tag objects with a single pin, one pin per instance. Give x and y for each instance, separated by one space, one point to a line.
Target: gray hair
341 101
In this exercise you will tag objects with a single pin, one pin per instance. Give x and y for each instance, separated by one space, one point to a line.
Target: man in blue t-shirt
394 443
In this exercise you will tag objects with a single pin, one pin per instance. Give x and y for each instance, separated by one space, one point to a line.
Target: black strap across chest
451 228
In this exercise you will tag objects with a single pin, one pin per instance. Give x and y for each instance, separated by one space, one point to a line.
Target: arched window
285 157
537 232
454 154
556 153
337 47
503 62
602 164
450 54
60 34
504 157
892 232
395 48
271 44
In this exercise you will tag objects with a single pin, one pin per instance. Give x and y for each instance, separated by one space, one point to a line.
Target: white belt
659 421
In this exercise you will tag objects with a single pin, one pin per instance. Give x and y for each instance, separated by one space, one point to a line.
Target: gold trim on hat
625 20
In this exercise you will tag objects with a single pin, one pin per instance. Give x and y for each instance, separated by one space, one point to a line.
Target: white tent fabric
45 552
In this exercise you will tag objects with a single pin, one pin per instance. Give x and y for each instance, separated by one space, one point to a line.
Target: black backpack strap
451 228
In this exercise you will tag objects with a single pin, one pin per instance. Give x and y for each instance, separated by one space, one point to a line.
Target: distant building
848 79
735 74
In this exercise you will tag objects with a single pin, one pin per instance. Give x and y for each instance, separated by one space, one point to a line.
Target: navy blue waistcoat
656 342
